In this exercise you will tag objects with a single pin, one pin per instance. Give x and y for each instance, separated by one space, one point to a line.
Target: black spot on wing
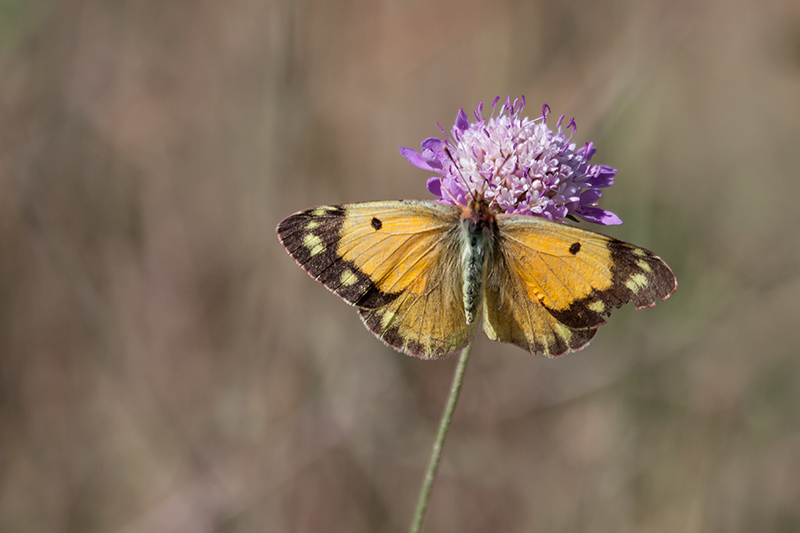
376 223
575 248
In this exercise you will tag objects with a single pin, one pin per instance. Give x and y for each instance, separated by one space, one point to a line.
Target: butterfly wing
550 285
397 261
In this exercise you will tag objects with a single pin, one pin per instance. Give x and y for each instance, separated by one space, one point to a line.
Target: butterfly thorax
478 228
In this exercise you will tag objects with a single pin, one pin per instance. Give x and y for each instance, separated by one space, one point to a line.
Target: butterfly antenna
505 180
460 175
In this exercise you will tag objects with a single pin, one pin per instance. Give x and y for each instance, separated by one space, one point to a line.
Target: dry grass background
164 366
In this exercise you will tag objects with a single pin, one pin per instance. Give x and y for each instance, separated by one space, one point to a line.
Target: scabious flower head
517 165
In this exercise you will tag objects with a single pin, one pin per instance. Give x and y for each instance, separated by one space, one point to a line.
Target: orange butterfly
421 272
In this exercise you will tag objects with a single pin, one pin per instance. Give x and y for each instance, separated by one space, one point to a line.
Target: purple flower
517 164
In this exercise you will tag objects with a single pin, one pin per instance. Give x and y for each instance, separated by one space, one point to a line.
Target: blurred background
165 366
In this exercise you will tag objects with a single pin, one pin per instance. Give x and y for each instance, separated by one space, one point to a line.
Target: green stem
436 455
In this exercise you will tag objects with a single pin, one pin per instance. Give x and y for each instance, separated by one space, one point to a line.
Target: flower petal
434 185
462 121
433 152
414 157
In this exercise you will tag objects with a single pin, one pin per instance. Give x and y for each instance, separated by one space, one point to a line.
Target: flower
517 164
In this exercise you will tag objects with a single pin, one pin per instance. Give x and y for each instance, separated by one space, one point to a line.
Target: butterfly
423 273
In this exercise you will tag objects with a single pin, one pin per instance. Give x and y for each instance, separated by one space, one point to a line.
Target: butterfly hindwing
394 260
574 275
511 316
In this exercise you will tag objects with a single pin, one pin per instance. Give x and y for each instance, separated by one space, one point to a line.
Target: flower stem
444 424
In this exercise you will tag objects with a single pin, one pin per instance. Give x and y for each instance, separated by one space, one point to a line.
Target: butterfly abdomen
478 228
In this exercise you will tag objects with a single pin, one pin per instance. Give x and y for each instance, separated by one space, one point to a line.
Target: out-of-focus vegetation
164 365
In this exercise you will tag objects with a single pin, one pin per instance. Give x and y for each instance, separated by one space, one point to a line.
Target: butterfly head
477 217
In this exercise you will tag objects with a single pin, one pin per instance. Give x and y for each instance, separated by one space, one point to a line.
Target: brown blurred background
165 366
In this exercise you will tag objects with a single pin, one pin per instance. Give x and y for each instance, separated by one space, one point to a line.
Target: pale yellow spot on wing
313 224
598 306
565 333
644 265
636 282
320 211
387 318
548 338
639 252
348 278
313 243
427 346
